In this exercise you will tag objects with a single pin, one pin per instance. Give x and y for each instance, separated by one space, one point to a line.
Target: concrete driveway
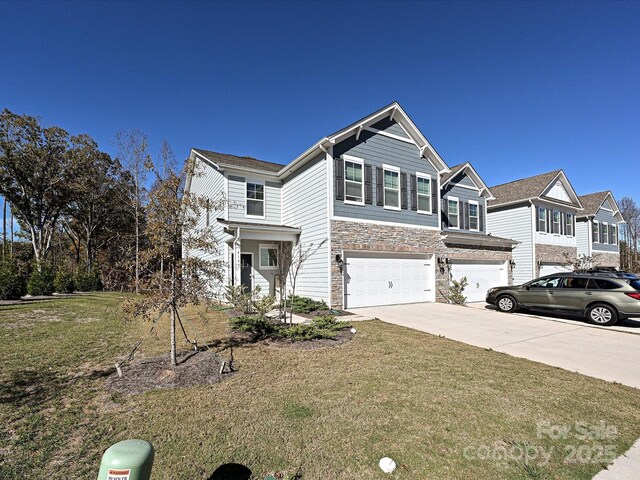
611 355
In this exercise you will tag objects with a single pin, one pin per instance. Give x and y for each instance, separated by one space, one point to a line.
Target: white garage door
383 279
481 277
551 268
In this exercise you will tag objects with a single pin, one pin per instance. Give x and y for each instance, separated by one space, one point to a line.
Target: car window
571 282
549 282
635 284
603 284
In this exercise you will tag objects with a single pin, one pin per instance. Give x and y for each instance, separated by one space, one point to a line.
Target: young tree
630 232
36 172
171 225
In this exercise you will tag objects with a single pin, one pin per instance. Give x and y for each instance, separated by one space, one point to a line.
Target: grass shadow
231 471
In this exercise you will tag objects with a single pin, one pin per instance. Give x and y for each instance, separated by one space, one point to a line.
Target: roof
478 240
454 171
592 202
523 189
227 160
472 174
259 226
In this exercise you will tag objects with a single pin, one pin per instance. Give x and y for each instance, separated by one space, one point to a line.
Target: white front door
386 279
481 277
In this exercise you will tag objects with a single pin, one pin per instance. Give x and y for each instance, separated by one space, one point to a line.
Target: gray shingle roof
591 202
241 162
454 171
523 189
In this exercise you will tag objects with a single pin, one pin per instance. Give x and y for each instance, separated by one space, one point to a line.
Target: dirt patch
194 368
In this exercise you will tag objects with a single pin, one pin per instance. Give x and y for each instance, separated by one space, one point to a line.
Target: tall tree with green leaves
36 173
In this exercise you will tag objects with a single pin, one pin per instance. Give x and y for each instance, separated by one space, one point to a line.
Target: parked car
603 300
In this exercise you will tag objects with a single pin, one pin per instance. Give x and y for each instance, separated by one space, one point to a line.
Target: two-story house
597 229
370 199
540 213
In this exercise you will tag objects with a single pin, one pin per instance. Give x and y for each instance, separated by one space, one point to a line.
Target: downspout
534 262
236 256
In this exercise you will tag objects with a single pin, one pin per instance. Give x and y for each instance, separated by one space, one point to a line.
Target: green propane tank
127 460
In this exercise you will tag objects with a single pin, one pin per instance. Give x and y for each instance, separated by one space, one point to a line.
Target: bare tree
631 214
133 155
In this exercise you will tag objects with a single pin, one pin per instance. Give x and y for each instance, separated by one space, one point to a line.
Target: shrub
12 285
263 305
239 297
328 323
259 327
302 331
64 283
88 281
40 281
456 290
305 304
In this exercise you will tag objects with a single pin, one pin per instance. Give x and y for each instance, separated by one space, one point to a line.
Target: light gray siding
237 199
517 224
376 150
463 195
262 277
605 216
305 205
390 127
583 232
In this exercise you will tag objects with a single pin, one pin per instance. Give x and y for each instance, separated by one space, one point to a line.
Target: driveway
611 355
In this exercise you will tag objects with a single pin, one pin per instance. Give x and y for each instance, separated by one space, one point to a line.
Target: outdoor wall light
339 261
512 264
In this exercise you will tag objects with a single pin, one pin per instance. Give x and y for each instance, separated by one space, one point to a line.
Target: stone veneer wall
384 238
606 259
554 254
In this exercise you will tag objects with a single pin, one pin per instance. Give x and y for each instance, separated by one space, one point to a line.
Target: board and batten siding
209 183
237 199
378 150
516 224
606 216
305 205
583 235
463 194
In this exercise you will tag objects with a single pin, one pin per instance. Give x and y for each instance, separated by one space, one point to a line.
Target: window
568 225
452 209
423 188
603 284
614 235
255 199
556 222
605 233
552 282
542 219
575 283
392 189
353 184
473 216
268 257
595 236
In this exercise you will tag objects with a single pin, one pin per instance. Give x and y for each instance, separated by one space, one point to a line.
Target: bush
456 290
40 282
12 285
259 327
238 297
305 304
88 281
63 283
328 323
302 331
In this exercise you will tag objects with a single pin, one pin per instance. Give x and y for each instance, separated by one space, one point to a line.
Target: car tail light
635 295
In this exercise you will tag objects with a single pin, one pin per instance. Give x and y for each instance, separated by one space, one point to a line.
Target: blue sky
515 88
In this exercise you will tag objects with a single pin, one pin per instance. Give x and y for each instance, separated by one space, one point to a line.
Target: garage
387 279
551 268
481 277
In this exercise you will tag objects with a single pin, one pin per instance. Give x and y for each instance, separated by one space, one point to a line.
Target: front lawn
437 407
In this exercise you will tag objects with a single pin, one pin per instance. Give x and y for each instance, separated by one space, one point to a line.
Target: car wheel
602 314
506 303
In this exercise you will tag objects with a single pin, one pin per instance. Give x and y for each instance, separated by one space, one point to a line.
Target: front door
246 271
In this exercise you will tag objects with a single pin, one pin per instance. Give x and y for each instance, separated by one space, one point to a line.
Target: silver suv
603 300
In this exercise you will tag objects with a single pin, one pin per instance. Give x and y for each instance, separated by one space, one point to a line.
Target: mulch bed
194 368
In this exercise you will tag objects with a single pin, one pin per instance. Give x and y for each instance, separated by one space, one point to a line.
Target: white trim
467 186
553 222
330 195
359 161
615 236
424 176
538 210
226 194
534 262
378 222
457 200
390 135
267 246
394 169
247 181
605 233
477 217
573 224
598 236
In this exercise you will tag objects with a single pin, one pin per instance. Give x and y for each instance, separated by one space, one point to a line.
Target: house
597 229
370 199
540 213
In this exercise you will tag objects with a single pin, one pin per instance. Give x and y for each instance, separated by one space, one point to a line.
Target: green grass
329 413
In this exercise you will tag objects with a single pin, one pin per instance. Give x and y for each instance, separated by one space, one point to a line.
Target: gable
464 180
607 205
391 127
558 192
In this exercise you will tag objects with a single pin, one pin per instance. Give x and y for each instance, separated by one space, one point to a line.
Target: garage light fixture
339 261
512 264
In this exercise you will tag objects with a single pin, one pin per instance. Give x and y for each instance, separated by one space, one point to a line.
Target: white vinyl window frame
427 177
542 220
395 171
569 225
605 233
614 234
556 222
271 259
595 232
450 202
475 217
354 161
257 200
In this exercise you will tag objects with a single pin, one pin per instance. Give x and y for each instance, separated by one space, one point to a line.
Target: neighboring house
371 196
597 229
540 213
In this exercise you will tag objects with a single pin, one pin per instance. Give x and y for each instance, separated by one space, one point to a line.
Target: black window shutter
466 215
445 216
460 214
434 196
601 233
379 187
481 217
537 219
368 187
403 191
548 221
563 223
414 192
339 179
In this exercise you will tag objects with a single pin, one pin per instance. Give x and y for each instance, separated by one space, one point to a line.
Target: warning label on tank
119 474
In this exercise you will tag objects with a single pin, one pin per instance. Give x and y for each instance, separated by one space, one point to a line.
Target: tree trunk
174 361
11 248
4 230
137 247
